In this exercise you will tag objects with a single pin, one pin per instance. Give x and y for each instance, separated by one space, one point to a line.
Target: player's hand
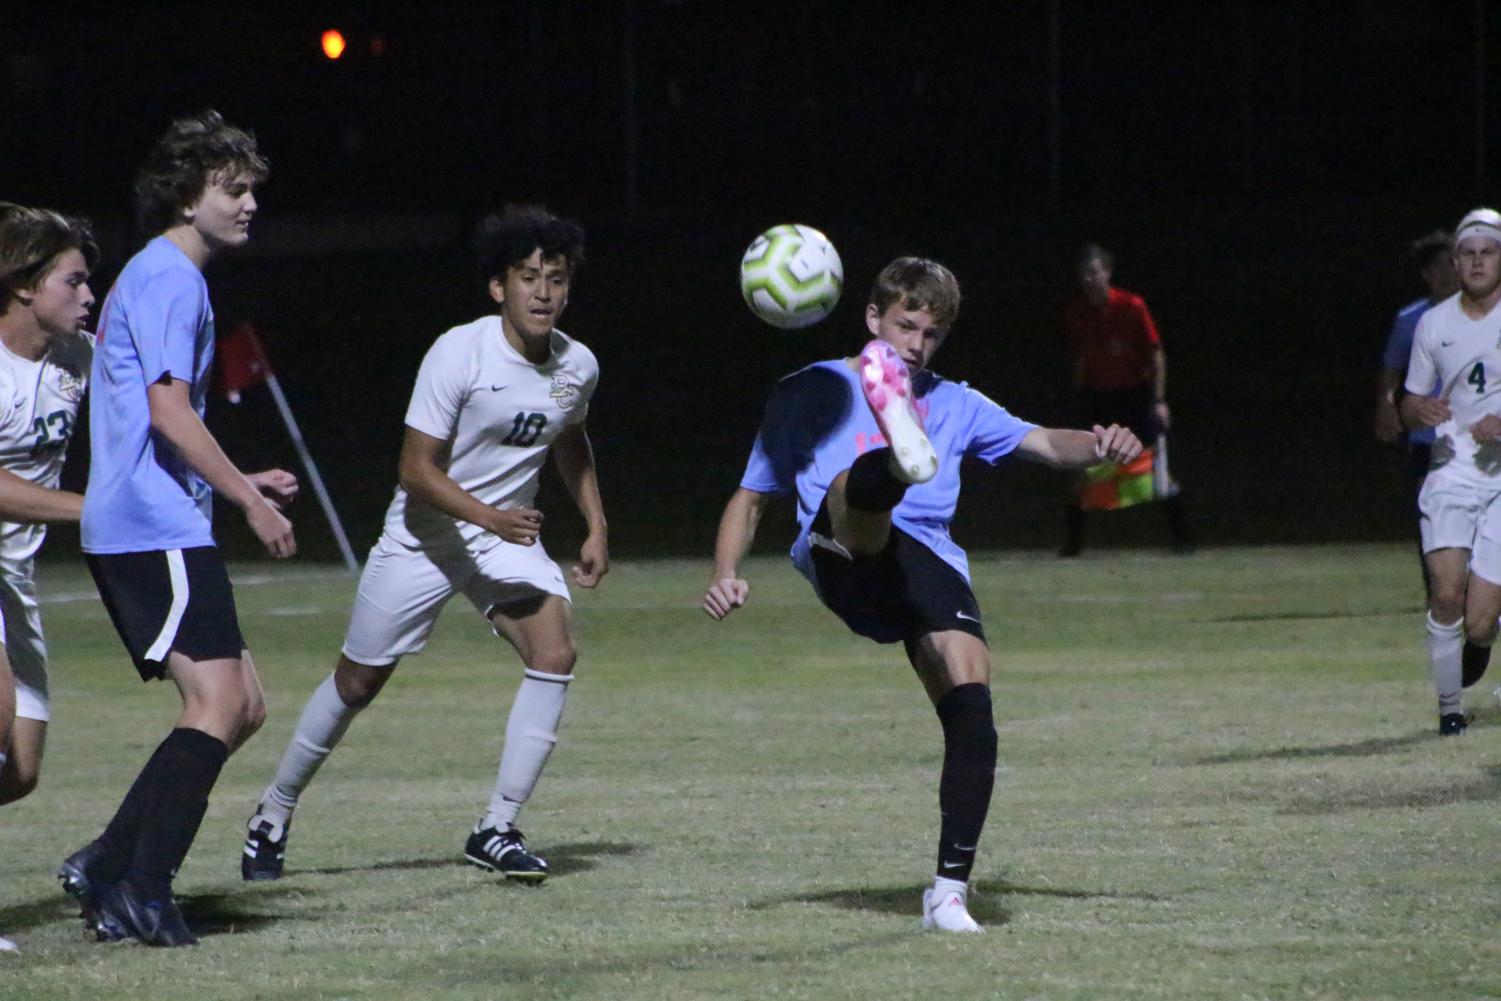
1116 444
1428 411
1488 428
1163 415
594 562
725 595
274 531
520 525
1388 424
278 486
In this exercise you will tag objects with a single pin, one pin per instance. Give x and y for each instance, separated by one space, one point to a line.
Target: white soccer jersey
40 402
499 413
1462 356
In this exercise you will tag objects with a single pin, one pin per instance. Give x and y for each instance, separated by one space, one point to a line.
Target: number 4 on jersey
1477 377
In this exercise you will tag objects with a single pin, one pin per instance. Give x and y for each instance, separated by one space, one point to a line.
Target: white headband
1486 230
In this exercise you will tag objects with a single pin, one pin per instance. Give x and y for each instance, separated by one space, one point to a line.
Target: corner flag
242 366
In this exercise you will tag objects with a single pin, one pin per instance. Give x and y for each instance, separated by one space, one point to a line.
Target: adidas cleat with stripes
888 390
505 852
265 848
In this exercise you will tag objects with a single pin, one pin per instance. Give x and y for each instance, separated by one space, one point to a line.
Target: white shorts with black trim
403 590
25 646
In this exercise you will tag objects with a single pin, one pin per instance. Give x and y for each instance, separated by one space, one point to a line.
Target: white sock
943 886
319 730
531 732
1445 644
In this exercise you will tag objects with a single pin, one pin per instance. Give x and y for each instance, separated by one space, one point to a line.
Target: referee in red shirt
1119 374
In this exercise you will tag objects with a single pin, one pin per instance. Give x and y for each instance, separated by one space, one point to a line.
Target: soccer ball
791 276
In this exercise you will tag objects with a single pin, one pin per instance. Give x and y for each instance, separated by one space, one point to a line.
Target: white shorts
25 646
403 590
1460 515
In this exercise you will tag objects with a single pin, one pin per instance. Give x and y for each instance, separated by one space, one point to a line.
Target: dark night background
1258 168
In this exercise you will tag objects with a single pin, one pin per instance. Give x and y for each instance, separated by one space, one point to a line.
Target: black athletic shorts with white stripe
165 600
897 595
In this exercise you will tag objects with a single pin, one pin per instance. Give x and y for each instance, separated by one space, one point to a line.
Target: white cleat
6 945
888 391
946 912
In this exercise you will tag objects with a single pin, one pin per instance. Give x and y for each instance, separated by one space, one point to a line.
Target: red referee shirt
1115 341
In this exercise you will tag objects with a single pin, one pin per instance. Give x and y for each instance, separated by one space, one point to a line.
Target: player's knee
253 718
556 659
1446 605
359 684
968 718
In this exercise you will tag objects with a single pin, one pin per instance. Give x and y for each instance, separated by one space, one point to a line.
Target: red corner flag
242 363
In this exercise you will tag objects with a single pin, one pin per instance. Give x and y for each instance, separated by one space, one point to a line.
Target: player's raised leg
538 627
954 668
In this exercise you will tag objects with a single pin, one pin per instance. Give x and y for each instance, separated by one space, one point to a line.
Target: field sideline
1220 779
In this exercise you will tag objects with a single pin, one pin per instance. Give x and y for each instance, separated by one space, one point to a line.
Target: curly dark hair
30 242
504 239
1429 246
194 153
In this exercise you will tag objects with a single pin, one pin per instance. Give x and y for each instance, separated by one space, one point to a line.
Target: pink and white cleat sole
888 390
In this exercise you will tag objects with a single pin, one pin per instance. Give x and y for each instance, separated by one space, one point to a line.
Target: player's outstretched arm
737 530
575 460
422 475
1423 411
1066 449
24 501
173 417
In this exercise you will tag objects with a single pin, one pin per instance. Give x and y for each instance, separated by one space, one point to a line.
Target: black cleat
506 854
265 848
1473 662
83 877
1452 724
124 912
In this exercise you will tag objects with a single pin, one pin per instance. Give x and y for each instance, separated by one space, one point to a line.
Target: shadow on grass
1307 616
206 914
563 860
1481 789
1358 749
905 901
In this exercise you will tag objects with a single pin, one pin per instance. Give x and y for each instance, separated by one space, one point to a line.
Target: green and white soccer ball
791 276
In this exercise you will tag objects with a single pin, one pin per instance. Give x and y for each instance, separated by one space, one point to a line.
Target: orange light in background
333 44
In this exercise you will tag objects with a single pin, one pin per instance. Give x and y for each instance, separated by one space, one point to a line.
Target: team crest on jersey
70 383
564 392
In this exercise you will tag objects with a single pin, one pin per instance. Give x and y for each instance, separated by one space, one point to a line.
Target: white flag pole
312 471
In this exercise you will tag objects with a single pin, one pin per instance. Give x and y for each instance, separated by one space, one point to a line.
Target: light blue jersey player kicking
877 482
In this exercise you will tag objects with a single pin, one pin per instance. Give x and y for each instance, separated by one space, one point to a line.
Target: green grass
1220 780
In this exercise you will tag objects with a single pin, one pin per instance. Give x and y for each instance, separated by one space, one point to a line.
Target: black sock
189 766
969 751
119 837
871 485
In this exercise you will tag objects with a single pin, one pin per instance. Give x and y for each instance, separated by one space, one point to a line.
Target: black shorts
900 594
164 600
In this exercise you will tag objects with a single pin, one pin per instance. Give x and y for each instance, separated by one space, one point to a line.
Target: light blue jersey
1398 352
156 322
817 423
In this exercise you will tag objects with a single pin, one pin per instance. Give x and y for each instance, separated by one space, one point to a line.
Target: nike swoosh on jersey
967 618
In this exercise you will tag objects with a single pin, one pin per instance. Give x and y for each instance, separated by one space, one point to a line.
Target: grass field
1220 779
